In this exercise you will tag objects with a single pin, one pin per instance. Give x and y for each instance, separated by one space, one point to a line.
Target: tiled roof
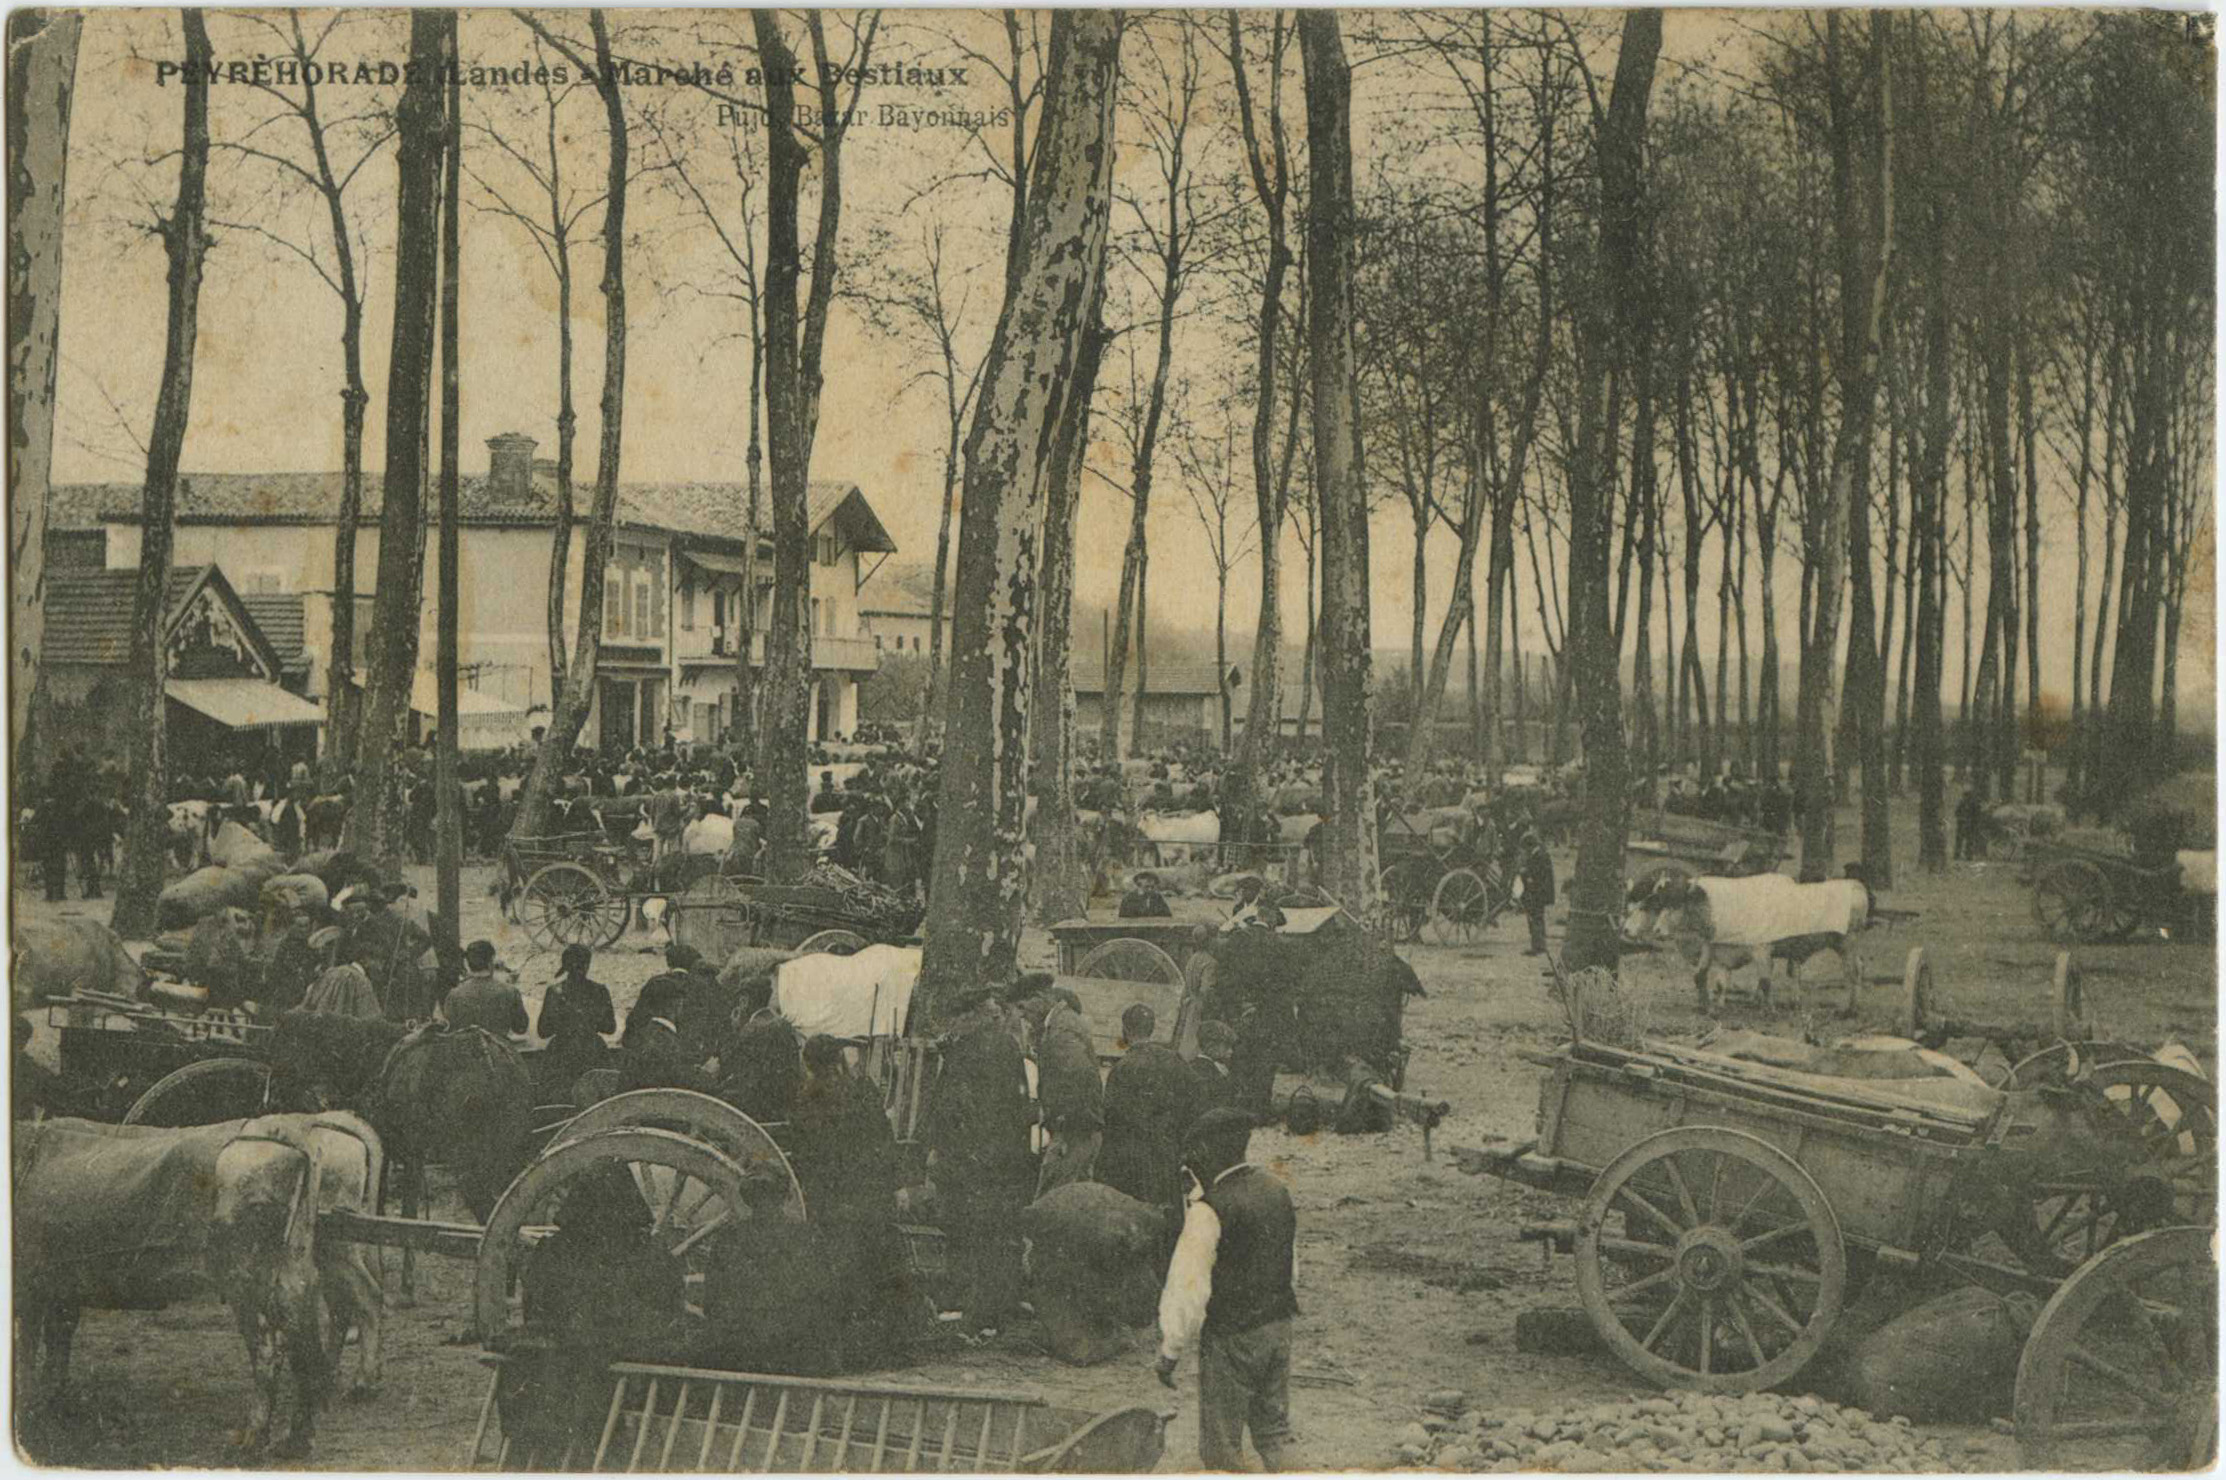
88 612
279 614
906 590
716 510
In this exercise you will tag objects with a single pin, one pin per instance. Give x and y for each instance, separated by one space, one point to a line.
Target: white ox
710 833
1721 925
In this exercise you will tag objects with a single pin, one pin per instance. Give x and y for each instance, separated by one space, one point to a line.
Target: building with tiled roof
228 697
672 609
896 608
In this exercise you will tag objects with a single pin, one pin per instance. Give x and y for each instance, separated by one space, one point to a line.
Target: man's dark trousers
1244 1382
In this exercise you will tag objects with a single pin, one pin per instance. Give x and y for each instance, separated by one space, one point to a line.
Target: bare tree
793 343
42 80
568 709
928 308
979 883
185 240
551 220
329 152
448 795
1209 478
1165 233
736 281
1340 492
378 821
1267 160
1604 336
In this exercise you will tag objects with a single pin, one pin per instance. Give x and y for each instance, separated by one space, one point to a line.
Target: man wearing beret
1229 1290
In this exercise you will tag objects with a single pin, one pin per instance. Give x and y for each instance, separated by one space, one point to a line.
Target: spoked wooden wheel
2060 1063
833 943
1728 1271
1916 993
1402 900
699 1117
1460 908
2168 1176
205 1093
665 1196
2121 1370
2071 902
566 904
1130 959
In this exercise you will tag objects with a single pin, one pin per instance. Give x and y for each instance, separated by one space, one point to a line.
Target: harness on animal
270 1131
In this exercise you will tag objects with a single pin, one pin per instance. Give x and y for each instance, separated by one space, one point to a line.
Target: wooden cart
2084 896
1671 842
1729 1207
115 1053
1437 873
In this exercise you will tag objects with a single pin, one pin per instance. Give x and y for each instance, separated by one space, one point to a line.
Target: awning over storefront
718 565
244 703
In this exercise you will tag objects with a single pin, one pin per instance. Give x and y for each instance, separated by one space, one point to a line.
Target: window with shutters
614 601
688 608
641 609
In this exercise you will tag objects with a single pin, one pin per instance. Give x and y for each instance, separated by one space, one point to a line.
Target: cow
1724 924
125 1216
351 1166
55 958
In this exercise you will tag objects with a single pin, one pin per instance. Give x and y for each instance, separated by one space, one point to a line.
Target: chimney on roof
510 466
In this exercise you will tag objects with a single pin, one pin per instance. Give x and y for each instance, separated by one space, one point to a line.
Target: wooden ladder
689 1420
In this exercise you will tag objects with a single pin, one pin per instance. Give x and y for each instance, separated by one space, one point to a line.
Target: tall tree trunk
1865 264
567 424
746 687
1060 887
1143 632
931 716
793 343
1340 491
185 240
569 709
1605 328
2029 436
973 926
1270 172
42 80
448 793
378 824
1306 655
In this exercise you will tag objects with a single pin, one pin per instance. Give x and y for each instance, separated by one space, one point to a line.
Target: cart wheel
699 1117
1460 908
2060 1063
832 943
2171 1179
2005 844
1730 1270
2120 1372
1916 993
1402 901
565 904
2068 994
2071 902
204 1093
653 1183
1130 959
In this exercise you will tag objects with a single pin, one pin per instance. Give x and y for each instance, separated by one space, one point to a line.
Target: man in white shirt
1229 1290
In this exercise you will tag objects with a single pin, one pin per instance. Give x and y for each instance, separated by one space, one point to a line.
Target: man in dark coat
1067 1084
1538 889
1217 1088
1252 982
482 1000
846 1159
575 1014
386 946
1151 1098
976 1133
1144 901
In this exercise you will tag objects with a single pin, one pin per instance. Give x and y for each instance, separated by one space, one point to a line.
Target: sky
267 378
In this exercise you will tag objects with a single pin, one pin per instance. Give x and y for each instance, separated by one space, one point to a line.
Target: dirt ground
1410 1274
